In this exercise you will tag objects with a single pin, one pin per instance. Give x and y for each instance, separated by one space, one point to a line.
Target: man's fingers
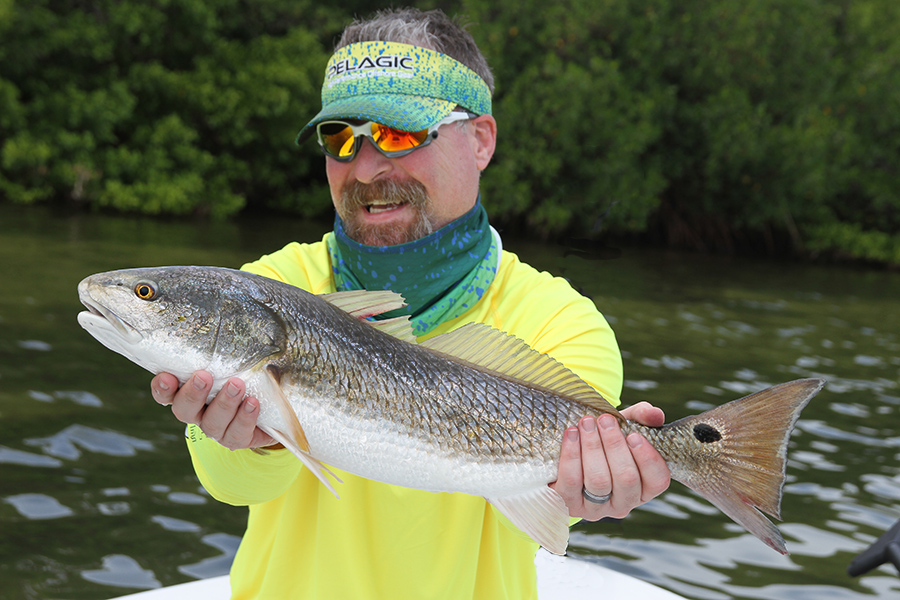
653 469
569 478
242 430
645 414
222 410
597 457
625 486
261 439
163 388
190 400
598 478
229 418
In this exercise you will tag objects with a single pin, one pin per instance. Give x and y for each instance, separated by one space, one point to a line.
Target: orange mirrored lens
394 140
337 138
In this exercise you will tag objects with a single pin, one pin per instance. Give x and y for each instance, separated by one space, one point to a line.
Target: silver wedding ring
595 499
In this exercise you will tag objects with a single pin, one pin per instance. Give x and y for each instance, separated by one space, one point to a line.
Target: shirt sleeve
240 477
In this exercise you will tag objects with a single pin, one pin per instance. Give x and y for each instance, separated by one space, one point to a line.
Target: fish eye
145 290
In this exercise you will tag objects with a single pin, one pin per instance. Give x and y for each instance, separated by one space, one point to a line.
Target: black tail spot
706 433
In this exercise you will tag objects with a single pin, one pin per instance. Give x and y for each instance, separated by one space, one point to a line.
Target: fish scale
473 411
405 395
468 403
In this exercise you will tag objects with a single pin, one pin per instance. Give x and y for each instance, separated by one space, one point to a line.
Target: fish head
182 319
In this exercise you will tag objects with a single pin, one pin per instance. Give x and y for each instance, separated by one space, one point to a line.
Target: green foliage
850 240
701 123
574 134
748 129
166 107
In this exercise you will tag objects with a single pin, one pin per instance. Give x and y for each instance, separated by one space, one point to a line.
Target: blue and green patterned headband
406 87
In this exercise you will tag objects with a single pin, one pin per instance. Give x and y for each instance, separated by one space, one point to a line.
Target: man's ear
484 141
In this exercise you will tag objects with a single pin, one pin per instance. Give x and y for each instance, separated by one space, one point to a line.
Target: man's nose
370 164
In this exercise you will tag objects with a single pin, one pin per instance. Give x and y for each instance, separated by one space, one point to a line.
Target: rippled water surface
97 497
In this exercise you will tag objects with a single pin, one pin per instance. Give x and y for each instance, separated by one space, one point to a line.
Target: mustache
359 195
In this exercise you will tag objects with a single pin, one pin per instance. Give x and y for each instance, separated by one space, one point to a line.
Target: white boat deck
559 578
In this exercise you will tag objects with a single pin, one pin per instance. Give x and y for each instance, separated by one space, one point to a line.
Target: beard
357 197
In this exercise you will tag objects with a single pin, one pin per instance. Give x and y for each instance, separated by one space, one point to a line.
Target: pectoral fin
294 439
541 513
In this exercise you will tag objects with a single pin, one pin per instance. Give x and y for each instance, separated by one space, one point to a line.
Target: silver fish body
472 411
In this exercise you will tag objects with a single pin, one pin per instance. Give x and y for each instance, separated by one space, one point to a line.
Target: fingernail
163 387
607 422
198 383
589 424
572 434
635 440
231 389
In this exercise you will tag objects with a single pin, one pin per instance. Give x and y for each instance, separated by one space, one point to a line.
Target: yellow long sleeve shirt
380 541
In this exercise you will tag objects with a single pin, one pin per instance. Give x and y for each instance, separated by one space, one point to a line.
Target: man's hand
229 418
596 456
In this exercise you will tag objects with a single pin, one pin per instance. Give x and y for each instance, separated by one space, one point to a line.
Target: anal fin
541 513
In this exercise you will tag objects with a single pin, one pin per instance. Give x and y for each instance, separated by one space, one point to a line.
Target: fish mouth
98 318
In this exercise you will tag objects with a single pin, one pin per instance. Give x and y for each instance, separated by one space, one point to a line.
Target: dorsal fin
363 304
490 349
398 327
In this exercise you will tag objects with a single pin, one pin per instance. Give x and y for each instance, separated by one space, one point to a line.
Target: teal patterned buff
440 276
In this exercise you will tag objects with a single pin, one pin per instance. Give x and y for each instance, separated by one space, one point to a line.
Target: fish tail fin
741 454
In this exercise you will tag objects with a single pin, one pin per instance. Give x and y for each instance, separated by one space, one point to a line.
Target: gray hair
432 29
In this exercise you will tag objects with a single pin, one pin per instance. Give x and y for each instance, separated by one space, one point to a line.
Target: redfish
474 411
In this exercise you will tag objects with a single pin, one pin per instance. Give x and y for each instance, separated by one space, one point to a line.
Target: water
97 496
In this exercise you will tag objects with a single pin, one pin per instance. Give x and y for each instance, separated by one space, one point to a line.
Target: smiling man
400 109
406 129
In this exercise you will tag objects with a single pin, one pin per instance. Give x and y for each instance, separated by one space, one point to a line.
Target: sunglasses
341 140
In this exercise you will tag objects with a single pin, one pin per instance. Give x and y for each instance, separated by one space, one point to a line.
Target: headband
402 86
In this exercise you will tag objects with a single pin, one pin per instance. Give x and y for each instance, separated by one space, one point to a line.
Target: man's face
386 201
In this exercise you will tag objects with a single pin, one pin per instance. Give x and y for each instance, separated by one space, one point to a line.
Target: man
406 129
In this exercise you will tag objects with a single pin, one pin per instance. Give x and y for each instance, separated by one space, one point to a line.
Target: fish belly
381 450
